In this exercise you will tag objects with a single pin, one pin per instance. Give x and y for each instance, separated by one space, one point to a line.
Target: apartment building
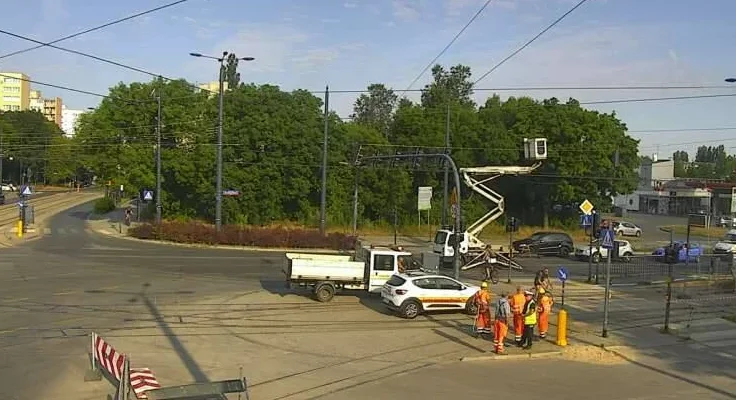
14 91
69 119
212 87
51 108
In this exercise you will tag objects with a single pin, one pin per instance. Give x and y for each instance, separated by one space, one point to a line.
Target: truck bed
334 268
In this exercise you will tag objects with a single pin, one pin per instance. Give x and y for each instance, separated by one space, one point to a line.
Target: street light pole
323 192
158 159
218 178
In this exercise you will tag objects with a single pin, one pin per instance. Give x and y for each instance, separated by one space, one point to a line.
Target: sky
349 44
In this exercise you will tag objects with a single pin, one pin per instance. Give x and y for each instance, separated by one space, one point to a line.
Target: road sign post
562 276
608 242
587 208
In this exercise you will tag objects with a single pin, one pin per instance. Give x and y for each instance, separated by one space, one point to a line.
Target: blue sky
349 44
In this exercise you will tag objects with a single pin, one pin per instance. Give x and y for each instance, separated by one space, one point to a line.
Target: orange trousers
500 329
518 326
483 322
543 324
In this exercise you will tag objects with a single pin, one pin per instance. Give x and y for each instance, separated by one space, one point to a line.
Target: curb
544 354
216 247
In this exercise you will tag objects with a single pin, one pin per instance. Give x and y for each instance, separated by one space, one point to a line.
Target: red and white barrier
104 356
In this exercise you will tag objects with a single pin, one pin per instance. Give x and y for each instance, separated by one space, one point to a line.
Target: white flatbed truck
326 274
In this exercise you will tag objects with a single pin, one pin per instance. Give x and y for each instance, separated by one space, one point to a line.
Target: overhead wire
96 28
447 47
530 41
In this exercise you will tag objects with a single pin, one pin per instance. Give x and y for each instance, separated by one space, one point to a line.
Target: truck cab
444 243
381 263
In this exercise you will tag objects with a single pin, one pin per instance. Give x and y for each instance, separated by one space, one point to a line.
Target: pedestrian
482 301
501 326
517 304
530 319
545 308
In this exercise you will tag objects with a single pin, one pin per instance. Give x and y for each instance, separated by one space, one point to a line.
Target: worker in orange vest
501 326
545 308
482 301
517 303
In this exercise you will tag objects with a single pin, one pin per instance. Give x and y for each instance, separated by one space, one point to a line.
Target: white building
69 120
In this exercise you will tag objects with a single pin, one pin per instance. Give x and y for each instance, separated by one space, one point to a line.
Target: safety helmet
541 291
484 285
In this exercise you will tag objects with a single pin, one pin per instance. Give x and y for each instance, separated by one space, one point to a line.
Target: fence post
124 386
94 373
667 306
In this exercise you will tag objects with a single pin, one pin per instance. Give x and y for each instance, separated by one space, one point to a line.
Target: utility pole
446 187
323 194
158 159
218 182
2 154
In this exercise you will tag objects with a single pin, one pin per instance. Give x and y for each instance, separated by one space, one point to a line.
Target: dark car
545 243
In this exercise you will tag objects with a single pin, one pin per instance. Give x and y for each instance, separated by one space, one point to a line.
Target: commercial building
212 87
15 90
69 120
659 192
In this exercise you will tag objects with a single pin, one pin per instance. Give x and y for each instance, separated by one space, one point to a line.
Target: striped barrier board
104 356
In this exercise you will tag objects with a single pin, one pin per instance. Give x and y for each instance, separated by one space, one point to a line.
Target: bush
237 235
104 205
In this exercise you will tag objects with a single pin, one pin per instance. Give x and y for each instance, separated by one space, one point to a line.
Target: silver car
623 228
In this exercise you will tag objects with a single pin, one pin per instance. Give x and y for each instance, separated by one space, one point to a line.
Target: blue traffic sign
147 195
608 238
562 274
25 191
586 220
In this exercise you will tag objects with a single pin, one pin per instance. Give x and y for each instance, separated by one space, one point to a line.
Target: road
200 314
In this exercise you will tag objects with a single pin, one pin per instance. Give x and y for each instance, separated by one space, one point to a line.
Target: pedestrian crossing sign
26 191
147 195
607 239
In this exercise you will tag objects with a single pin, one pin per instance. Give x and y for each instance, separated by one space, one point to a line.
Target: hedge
104 205
237 235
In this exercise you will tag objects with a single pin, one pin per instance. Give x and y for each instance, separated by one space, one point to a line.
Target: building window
11 89
11 80
11 98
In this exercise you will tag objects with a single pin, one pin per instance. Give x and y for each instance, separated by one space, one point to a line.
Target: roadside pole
608 243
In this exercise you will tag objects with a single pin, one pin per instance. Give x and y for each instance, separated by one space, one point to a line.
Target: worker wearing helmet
544 309
530 320
517 304
482 301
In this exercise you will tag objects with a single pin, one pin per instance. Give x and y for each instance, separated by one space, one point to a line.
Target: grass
731 318
713 231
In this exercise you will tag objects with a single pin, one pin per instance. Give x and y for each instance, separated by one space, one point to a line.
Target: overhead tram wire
530 41
551 88
97 58
96 28
454 39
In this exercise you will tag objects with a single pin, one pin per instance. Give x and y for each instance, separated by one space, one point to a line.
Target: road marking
14 330
15 300
113 287
63 293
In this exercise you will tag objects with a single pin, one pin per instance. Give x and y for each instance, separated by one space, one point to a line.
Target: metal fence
649 269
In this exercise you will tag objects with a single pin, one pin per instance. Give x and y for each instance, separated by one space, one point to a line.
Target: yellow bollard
20 228
562 328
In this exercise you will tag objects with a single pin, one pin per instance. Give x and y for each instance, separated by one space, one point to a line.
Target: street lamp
218 184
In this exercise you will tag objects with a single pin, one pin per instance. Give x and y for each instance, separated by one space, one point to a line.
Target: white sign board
424 198
733 200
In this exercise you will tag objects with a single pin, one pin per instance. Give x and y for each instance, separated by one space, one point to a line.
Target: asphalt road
189 313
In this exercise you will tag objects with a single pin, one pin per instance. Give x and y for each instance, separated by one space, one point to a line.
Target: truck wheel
324 292
470 307
410 309
626 257
596 258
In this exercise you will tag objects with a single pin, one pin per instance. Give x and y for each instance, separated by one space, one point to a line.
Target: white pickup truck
325 274
725 249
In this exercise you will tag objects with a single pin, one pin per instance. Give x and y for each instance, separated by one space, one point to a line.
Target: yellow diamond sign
586 207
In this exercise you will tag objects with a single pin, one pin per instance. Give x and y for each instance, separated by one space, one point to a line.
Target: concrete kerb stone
117 235
530 355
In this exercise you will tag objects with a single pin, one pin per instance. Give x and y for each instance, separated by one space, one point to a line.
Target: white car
623 228
7 187
727 222
412 294
625 252
726 247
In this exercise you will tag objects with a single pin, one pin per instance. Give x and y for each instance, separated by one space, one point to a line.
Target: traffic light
512 224
596 225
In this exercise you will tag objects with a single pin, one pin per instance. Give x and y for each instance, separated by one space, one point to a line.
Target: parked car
545 243
623 228
411 294
7 187
625 252
693 254
726 247
726 221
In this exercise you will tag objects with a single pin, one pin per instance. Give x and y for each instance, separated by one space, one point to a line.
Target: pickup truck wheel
324 292
410 309
626 257
638 233
470 307
596 258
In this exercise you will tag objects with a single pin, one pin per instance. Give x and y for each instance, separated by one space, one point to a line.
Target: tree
27 137
681 161
376 108
448 87
232 76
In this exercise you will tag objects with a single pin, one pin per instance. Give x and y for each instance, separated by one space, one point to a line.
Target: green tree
681 161
376 108
232 76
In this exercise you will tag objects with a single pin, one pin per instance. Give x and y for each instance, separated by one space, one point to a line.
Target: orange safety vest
483 300
545 304
517 302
